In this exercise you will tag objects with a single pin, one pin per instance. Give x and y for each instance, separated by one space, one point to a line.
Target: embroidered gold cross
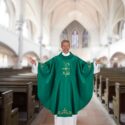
66 69
65 111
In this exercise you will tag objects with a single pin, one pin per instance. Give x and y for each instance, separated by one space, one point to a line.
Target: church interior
33 30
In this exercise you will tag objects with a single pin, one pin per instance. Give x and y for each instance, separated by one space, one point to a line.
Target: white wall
11 40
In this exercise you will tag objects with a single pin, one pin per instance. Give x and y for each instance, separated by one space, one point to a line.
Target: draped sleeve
45 81
85 79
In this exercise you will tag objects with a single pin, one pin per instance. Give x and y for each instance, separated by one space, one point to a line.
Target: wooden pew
10 71
105 72
119 101
19 79
23 78
109 91
27 77
33 78
106 88
96 83
8 116
22 97
102 82
101 87
99 79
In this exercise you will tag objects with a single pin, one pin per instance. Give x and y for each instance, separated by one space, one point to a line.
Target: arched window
3 60
75 39
123 31
85 39
4 16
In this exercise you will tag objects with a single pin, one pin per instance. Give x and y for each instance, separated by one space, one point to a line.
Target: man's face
65 47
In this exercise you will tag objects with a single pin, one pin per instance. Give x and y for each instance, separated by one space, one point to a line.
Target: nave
33 30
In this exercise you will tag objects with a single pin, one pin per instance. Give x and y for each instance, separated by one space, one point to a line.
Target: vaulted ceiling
51 17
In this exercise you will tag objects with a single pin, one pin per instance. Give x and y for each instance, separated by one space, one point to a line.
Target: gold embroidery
66 69
64 111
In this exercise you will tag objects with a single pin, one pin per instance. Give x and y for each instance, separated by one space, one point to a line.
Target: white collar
66 54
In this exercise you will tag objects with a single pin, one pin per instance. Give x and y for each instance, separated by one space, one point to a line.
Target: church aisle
93 114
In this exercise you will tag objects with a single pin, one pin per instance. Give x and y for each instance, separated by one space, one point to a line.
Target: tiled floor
93 114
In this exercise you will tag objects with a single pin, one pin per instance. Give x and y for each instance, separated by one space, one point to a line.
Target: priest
65 85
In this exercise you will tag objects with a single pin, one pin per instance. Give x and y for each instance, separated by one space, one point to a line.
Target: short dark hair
65 41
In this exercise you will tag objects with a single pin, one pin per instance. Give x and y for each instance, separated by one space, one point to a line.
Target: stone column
108 47
40 48
19 28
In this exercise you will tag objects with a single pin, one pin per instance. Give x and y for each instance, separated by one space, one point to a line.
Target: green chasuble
65 84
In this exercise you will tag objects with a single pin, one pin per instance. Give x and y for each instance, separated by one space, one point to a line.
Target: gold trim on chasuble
65 72
66 69
64 111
